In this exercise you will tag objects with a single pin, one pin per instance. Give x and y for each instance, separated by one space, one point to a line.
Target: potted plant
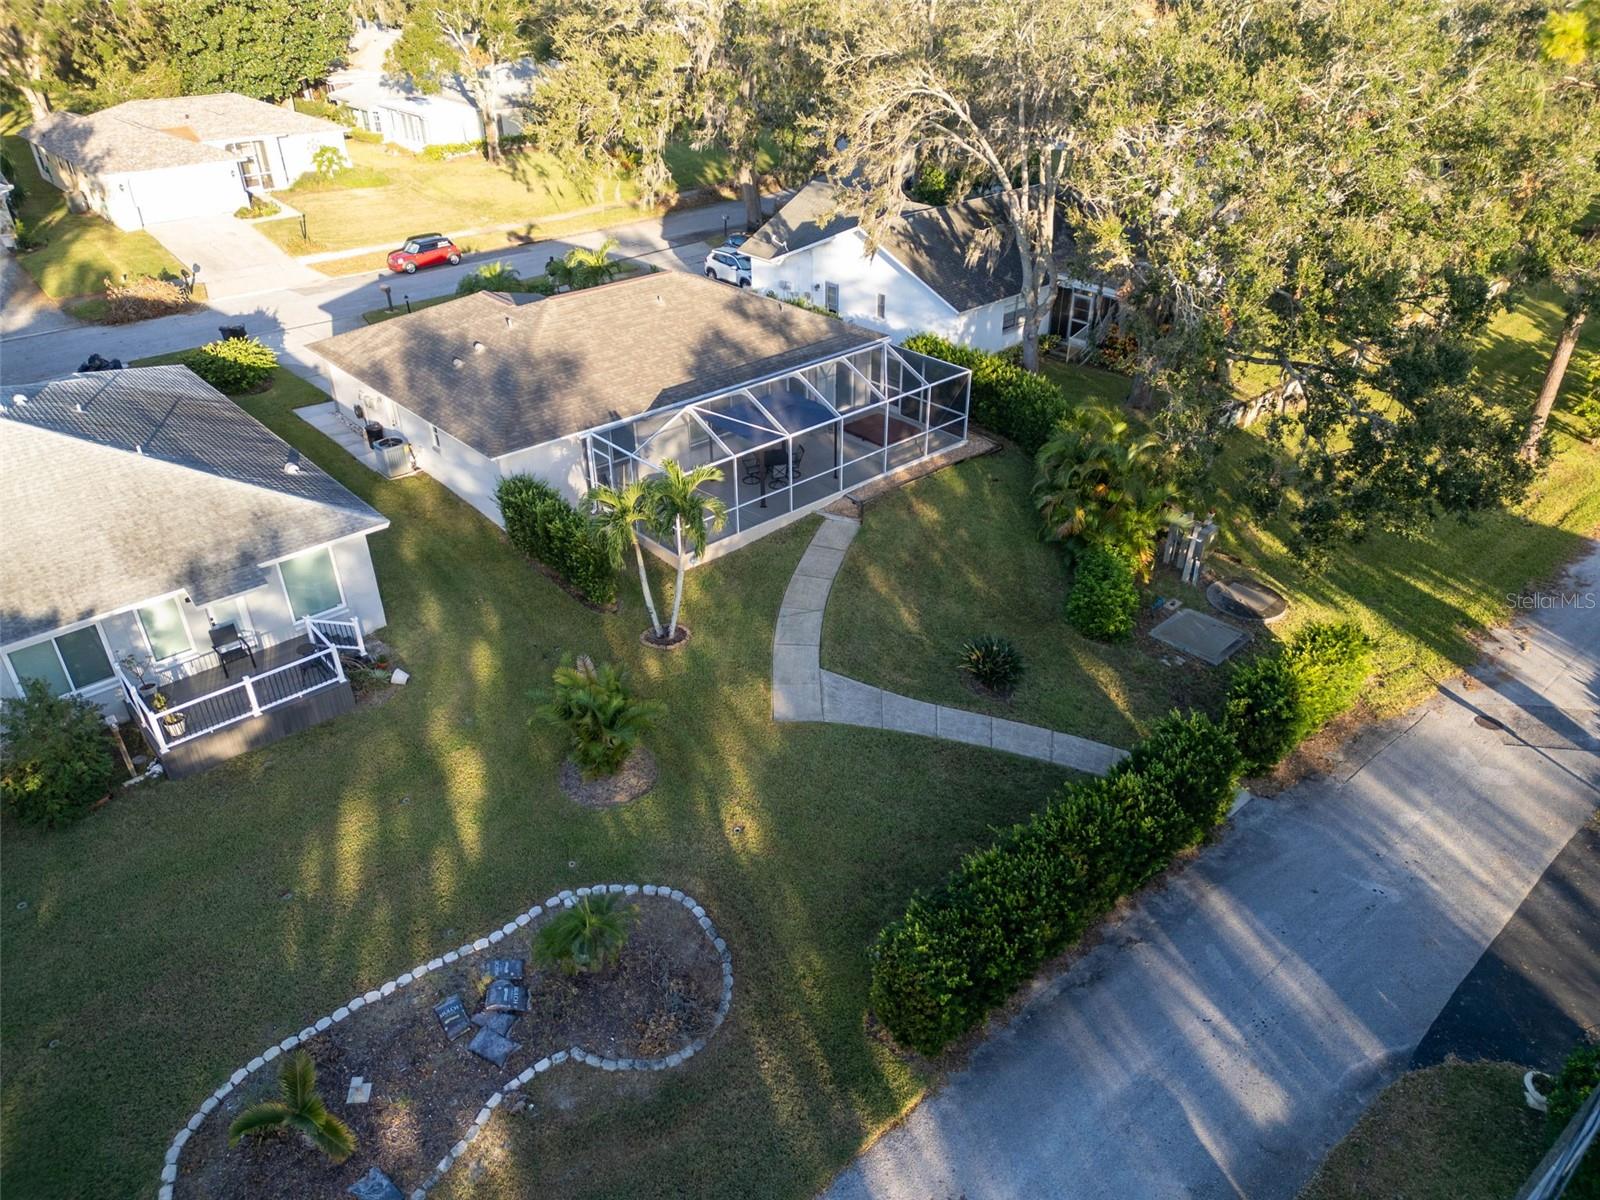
139 667
172 722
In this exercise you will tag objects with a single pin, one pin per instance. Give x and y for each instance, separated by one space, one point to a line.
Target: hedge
961 950
233 365
1104 599
1006 398
57 759
541 524
1278 700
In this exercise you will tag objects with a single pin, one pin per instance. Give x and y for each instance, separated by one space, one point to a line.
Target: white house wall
559 463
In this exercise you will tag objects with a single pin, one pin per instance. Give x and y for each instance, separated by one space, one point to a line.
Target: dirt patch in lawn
633 779
661 994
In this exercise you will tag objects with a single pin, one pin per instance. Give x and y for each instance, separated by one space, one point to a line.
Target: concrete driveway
1230 1029
24 306
235 259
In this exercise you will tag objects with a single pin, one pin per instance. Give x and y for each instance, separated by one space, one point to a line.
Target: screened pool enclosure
792 442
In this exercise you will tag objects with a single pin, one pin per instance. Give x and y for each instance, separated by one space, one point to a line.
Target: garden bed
661 996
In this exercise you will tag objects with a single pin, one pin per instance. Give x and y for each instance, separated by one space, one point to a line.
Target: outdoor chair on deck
230 646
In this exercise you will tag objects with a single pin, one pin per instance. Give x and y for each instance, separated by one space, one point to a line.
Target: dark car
424 250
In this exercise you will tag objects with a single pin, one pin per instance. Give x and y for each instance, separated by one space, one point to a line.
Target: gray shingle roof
581 359
123 485
142 135
932 242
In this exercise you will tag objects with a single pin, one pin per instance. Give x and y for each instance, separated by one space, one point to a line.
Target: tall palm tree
680 508
301 1109
618 512
1098 484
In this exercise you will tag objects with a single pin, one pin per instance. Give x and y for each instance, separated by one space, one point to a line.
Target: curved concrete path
803 691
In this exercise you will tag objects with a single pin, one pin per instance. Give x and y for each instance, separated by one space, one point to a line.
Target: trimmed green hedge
541 524
1006 398
1104 599
961 950
1278 700
233 365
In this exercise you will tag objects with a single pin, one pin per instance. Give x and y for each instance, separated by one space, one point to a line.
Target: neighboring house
393 107
144 512
602 385
8 228
147 161
922 278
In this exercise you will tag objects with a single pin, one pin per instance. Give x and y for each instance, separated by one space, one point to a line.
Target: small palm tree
585 937
682 510
493 277
301 1109
586 267
618 512
606 722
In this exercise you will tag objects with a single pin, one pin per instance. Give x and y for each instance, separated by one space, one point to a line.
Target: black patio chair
230 646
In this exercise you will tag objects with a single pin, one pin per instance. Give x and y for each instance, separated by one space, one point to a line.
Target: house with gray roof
602 385
161 541
143 162
936 268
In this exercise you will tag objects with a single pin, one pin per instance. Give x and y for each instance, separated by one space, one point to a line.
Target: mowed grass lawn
1458 1131
160 943
957 554
80 249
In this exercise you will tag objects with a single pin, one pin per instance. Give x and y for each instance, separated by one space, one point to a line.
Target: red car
423 250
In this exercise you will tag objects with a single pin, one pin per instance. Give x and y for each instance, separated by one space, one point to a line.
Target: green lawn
80 249
956 554
156 946
1459 1131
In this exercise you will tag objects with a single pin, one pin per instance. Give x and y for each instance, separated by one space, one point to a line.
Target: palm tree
599 712
301 1109
586 936
617 513
493 277
585 267
1097 484
682 510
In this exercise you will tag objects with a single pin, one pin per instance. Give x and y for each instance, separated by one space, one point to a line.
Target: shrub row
1278 700
1104 598
446 150
1006 398
233 365
962 950
541 524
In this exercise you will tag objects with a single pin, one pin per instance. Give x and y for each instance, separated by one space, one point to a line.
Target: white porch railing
252 695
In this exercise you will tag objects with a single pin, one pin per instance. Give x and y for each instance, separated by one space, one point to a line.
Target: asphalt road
1229 1030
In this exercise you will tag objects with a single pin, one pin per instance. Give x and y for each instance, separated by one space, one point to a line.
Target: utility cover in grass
1200 636
505 968
505 996
1247 600
375 1185
500 1022
490 1045
452 1015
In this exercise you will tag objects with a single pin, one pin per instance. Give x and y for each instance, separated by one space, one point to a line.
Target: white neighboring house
601 385
143 162
403 114
920 279
144 513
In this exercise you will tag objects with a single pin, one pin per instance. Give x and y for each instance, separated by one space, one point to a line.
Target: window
165 630
830 297
882 303
67 662
311 583
1013 314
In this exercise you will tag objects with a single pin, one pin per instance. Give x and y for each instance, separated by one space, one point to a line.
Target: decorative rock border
563 899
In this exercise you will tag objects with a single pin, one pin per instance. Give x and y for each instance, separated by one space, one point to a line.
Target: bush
1104 598
541 524
327 111
586 936
491 277
1579 1076
233 365
144 297
960 951
993 661
1118 351
371 137
259 206
328 161
1006 398
55 759
593 704
1278 700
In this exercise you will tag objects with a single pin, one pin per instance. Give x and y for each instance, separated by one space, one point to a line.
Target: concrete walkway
235 258
1229 1028
24 306
803 691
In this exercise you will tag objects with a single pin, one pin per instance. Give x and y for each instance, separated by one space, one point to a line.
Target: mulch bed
660 995
633 779
647 638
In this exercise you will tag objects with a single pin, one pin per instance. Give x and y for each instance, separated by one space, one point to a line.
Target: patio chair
230 646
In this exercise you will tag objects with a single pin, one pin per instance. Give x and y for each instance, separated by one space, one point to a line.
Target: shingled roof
502 377
123 485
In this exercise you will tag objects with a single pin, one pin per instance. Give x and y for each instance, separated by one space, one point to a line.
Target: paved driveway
24 306
235 260
1224 1034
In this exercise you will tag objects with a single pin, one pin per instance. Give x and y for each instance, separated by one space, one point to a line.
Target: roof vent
477 347
291 466
18 399
77 406
508 322
457 363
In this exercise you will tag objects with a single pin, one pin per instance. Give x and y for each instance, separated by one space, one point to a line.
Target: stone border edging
564 899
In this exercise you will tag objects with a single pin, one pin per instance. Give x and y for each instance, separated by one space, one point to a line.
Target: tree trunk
644 586
750 193
1565 344
38 102
1030 337
677 593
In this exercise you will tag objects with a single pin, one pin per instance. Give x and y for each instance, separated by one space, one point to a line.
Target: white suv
729 266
